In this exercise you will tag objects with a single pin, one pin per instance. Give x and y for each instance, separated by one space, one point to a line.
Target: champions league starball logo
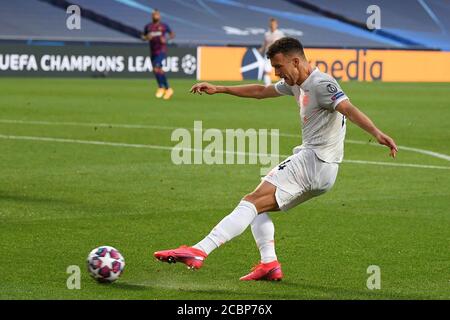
252 66
189 64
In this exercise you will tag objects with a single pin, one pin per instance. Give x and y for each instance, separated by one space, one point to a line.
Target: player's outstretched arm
363 121
256 91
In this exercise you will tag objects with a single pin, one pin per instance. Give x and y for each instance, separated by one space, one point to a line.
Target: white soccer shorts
301 177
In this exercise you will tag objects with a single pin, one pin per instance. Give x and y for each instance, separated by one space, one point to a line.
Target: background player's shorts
267 65
301 177
157 60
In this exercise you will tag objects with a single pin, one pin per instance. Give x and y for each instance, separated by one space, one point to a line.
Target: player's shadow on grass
343 293
284 290
141 287
302 291
207 291
130 286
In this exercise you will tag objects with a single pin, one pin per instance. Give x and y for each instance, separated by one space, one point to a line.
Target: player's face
156 16
286 67
273 25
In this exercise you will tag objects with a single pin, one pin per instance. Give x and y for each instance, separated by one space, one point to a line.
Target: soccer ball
105 264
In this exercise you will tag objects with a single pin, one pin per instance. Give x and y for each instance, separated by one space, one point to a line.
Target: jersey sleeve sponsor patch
337 95
329 94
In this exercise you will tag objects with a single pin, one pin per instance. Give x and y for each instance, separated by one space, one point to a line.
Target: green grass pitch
59 200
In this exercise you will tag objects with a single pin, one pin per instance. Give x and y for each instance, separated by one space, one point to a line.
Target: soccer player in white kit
309 172
272 35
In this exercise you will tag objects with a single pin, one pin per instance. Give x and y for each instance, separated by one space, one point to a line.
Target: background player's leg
158 77
263 231
157 69
164 82
169 91
260 200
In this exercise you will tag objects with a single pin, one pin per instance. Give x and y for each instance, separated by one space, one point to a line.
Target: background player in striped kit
156 34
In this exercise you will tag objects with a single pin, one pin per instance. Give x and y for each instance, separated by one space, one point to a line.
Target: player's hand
146 37
203 87
389 142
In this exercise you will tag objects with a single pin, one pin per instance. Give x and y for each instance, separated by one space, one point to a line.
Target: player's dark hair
286 45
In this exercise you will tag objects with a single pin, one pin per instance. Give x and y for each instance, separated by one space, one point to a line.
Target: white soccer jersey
270 37
323 128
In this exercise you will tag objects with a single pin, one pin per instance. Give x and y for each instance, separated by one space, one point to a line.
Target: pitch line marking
138 126
167 148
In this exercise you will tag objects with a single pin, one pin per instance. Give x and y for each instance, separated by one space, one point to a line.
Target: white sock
231 226
264 231
267 80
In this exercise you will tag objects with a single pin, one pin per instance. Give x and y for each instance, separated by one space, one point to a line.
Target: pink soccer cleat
265 271
190 256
